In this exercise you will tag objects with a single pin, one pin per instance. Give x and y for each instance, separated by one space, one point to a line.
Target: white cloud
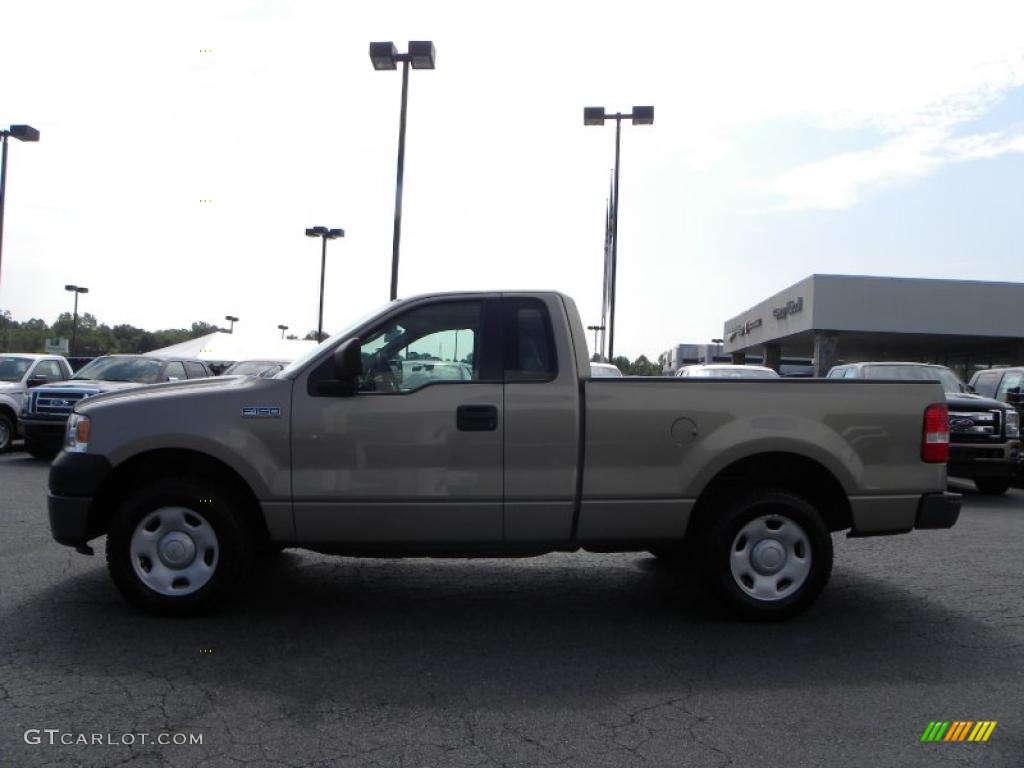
845 179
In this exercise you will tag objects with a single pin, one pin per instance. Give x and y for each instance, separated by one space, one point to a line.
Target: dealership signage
791 308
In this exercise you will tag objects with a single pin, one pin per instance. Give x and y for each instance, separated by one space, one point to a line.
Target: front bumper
980 460
938 510
75 479
48 431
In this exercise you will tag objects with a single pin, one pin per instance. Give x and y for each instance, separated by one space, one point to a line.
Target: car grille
975 426
56 402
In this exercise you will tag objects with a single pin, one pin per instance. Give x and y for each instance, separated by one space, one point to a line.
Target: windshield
140 370
948 379
253 368
13 368
299 363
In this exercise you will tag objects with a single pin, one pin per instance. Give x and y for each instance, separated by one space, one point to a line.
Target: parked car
419 373
191 481
19 373
1003 384
264 368
985 433
45 412
604 371
726 371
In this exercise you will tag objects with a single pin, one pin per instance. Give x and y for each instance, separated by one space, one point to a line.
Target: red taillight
935 441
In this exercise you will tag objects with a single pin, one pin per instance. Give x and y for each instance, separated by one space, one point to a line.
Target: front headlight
1012 424
77 439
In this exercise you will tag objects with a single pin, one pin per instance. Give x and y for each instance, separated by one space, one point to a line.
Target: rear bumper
938 510
886 515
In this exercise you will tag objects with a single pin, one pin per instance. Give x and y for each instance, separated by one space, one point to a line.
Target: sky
186 146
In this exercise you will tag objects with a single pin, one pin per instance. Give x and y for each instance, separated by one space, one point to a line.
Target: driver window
436 343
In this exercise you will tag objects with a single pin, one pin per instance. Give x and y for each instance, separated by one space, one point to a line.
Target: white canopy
232 347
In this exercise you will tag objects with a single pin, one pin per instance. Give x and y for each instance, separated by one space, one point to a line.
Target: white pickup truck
346 452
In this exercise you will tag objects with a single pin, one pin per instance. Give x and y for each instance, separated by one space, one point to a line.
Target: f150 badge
260 412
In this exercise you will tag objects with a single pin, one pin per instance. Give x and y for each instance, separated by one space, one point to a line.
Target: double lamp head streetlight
76 289
384 56
598 116
324 234
21 133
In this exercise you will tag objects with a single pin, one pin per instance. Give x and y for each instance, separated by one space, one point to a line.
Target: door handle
477 418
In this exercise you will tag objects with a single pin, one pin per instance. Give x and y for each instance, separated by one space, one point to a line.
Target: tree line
639 367
92 338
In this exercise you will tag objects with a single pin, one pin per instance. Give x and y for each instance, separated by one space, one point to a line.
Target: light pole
21 133
421 55
597 116
324 234
282 328
77 289
231 319
595 329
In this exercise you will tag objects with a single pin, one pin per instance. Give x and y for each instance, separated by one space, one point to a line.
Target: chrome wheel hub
174 551
770 558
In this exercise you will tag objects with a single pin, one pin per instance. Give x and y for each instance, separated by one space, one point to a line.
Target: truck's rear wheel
179 546
992 486
768 553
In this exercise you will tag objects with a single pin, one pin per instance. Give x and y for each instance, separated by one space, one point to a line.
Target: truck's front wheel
768 553
179 546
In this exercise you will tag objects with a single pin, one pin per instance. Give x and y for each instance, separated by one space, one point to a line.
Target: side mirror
35 381
348 360
348 367
1015 398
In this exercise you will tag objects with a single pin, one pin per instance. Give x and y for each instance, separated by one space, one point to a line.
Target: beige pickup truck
370 445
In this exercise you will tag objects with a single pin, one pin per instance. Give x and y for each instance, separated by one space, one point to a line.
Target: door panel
416 454
402 452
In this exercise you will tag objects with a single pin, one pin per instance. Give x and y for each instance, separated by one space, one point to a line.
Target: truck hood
170 390
967 400
77 385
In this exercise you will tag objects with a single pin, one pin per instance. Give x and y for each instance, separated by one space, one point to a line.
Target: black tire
792 513
992 486
7 431
208 502
41 451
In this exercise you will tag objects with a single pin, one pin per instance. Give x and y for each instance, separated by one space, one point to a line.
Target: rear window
529 343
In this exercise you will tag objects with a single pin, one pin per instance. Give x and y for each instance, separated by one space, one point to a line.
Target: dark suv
47 408
984 433
1003 384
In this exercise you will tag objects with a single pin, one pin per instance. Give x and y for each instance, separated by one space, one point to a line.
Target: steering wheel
382 376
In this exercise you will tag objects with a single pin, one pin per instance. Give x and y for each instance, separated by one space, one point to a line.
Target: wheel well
167 462
6 410
788 471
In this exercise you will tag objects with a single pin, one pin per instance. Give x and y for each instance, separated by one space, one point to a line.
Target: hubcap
770 558
174 551
5 434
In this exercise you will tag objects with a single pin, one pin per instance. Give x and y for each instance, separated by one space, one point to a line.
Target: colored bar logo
958 730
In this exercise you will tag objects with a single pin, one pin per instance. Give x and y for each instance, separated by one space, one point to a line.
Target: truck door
416 454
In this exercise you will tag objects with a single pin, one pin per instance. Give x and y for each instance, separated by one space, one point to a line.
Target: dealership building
832 319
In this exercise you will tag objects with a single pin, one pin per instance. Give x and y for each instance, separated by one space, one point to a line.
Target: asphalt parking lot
575 660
